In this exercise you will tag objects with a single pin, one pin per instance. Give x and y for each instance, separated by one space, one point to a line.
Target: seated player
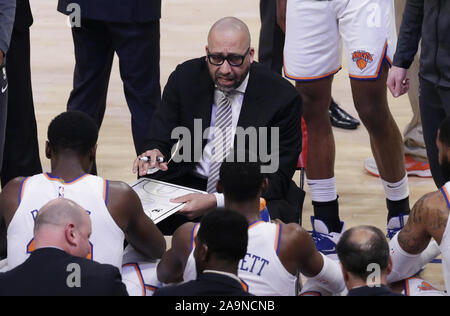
428 220
114 208
217 258
276 251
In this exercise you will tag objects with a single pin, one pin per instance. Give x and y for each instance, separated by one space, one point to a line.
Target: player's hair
241 177
225 232
444 131
72 130
357 255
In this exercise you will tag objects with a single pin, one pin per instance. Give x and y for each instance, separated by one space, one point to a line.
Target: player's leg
368 31
93 60
312 56
138 48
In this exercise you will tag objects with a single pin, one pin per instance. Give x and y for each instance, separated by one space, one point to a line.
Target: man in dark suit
132 30
58 266
365 261
7 9
216 258
21 154
226 91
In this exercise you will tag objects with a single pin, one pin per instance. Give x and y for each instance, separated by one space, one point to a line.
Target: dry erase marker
148 159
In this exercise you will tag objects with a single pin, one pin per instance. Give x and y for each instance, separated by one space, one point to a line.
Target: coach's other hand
197 204
397 82
143 166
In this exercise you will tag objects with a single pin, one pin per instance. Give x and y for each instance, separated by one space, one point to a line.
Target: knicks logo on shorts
362 58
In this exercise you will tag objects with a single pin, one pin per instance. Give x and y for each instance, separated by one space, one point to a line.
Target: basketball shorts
318 31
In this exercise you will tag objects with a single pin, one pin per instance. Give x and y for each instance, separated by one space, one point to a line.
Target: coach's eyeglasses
233 59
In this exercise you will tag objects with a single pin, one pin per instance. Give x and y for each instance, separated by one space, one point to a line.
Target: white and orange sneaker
413 167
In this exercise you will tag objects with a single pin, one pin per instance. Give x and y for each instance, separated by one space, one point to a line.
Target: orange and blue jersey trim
21 189
385 58
51 177
446 195
308 79
253 224
244 285
105 191
193 234
139 274
278 238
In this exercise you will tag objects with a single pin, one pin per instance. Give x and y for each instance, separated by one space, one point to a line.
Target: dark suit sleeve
116 285
288 120
165 118
410 34
7 14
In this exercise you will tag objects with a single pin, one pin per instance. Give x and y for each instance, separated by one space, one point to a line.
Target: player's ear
265 185
219 187
48 151
92 153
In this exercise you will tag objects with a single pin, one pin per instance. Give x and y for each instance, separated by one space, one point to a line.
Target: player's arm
9 202
302 251
424 222
140 231
171 267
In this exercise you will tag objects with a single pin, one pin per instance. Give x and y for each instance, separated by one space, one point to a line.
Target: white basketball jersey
261 270
90 192
445 242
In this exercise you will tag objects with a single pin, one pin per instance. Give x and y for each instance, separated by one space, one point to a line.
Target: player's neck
67 167
248 209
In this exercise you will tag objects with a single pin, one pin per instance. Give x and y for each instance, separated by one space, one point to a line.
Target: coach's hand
197 204
143 166
397 82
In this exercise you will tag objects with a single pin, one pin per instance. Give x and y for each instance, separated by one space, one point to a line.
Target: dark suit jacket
269 101
45 273
24 17
123 11
206 284
372 291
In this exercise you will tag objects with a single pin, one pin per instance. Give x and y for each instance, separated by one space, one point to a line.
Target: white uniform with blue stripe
90 192
445 242
261 270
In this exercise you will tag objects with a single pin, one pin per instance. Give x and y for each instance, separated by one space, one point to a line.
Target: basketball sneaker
396 224
413 167
325 240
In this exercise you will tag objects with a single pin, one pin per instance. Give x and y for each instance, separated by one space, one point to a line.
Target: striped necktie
222 141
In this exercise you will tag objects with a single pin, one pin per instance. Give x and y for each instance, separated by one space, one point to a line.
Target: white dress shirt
236 99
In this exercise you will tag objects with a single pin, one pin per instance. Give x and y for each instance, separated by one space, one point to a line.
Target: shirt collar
231 275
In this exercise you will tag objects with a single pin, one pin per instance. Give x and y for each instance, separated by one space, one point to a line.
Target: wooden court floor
184 27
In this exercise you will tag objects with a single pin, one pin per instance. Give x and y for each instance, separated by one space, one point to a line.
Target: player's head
443 144
363 251
221 241
64 224
229 38
241 179
72 133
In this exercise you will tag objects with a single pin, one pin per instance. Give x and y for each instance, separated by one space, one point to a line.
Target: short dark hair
444 131
72 130
241 180
357 255
225 232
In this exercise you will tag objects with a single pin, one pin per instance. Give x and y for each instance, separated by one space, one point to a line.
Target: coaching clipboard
155 197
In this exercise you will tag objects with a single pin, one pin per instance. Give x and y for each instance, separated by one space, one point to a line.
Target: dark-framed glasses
233 59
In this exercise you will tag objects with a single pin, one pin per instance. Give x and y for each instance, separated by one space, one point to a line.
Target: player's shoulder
293 233
432 205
